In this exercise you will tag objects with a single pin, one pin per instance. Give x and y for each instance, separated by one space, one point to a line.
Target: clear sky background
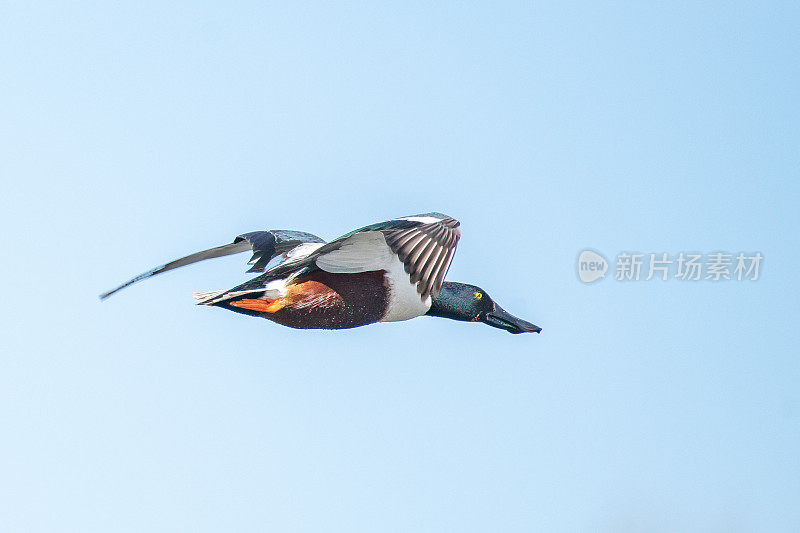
134 133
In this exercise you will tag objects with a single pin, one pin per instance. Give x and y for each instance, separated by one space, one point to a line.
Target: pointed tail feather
215 297
204 298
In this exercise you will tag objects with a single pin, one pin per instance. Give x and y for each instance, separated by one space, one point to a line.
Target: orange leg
263 306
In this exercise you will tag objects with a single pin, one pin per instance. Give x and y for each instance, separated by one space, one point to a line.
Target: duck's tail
206 297
217 297
254 302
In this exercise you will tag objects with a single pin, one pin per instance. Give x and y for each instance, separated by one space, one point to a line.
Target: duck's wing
426 249
277 245
424 244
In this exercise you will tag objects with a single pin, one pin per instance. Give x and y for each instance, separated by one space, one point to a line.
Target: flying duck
383 272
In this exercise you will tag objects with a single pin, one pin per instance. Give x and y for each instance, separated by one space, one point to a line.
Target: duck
384 272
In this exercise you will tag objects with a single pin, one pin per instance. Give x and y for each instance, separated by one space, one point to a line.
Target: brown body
325 301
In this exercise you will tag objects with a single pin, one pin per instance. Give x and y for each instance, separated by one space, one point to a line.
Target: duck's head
461 301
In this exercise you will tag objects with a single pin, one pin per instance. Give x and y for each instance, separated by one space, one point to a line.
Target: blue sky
135 133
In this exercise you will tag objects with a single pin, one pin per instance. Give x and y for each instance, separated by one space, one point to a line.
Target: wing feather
426 249
266 245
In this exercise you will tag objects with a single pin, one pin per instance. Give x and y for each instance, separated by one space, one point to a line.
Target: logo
684 266
591 266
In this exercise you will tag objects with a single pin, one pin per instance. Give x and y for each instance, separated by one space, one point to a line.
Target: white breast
404 300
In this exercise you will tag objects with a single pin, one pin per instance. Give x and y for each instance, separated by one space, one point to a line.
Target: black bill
499 318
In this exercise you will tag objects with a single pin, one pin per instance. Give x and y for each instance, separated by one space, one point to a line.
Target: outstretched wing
426 250
281 245
425 244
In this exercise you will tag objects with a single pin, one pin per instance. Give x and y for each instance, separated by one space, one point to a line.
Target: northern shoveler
383 272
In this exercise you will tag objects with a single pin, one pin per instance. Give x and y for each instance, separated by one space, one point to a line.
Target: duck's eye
478 295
